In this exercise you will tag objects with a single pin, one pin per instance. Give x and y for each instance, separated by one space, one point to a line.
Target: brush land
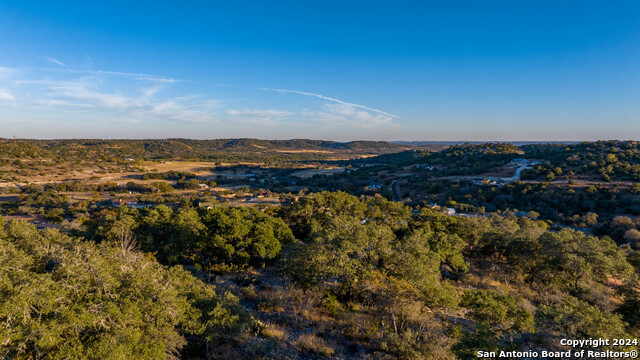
302 249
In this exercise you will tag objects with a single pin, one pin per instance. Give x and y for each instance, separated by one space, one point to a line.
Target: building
374 185
484 182
523 162
125 202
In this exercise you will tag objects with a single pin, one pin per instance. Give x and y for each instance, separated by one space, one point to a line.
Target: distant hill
452 143
213 150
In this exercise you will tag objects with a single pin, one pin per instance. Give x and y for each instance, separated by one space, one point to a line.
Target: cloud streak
136 76
330 99
57 62
78 96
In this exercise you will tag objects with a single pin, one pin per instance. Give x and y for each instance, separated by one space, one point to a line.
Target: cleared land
305 174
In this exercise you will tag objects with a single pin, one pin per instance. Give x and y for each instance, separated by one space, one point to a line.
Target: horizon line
338 141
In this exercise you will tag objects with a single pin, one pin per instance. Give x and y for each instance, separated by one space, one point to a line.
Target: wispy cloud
49 103
57 62
126 121
348 116
144 104
88 62
6 96
330 99
138 96
137 76
260 117
131 75
7 72
343 113
127 98
259 113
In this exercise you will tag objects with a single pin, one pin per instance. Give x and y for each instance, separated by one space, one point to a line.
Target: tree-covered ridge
219 149
599 160
602 160
469 159
582 185
587 207
464 159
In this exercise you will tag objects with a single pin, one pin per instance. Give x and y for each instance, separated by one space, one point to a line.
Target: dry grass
274 331
315 315
314 344
269 306
178 165
299 151
306 174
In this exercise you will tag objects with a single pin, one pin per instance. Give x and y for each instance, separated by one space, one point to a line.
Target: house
203 186
523 162
125 202
451 211
205 205
374 185
484 182
263 194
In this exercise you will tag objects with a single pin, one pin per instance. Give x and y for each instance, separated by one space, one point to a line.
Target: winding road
395 190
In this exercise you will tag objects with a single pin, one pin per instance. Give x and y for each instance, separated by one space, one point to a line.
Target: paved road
395 190
515 177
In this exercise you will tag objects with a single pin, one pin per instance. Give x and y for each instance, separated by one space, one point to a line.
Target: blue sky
379 70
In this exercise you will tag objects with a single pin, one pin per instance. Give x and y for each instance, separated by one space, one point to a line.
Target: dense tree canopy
368 276
65 298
